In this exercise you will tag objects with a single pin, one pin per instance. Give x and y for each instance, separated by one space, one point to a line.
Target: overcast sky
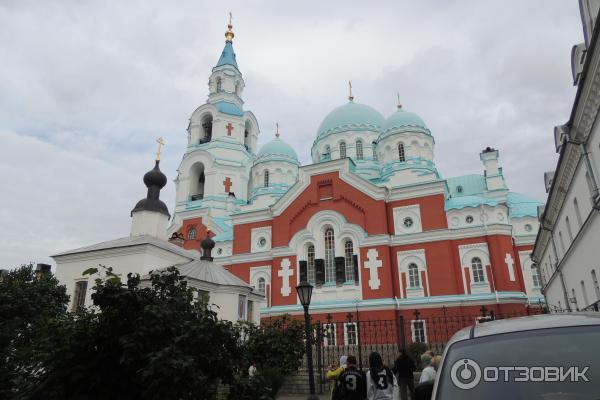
87 86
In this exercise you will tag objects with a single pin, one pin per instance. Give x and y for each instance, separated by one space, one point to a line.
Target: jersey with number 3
352 385
384 387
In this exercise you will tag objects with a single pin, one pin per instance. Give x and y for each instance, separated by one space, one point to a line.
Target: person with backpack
352 383
381 382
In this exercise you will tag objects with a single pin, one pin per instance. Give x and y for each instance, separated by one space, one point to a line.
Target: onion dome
278 147
207 244
154 181
403 120
351 117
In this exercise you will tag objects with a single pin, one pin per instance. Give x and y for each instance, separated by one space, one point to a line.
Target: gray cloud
86 87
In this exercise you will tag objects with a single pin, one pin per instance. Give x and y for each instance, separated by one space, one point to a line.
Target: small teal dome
404 119
351 117
277 147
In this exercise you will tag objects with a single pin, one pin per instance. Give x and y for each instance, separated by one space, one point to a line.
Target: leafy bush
415 350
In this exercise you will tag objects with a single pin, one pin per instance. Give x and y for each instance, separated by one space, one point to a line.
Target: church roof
131 241
522 206
227 56
351 117
278 147
208 271
227 107
402 119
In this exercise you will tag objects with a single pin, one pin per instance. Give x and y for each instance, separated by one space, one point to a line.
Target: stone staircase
297 384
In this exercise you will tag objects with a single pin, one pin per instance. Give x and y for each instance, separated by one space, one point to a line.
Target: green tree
277 348
150 340
30 305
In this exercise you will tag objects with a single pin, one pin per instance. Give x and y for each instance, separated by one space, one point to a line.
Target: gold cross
399 104
350 86
277 131
208 223
230 17
161 142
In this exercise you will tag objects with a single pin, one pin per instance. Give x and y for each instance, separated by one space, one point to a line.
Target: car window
545 364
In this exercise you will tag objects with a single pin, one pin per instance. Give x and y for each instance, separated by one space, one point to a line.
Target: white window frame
334 336
347 336
342 149
417 278
482 266
412 329
359 150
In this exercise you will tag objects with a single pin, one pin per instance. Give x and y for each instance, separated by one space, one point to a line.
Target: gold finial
277 129
399 104
351 98
161 142
229 34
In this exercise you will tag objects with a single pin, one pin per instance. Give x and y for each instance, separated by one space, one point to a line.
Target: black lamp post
304 290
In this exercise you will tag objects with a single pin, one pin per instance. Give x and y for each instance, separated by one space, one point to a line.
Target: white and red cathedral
371 223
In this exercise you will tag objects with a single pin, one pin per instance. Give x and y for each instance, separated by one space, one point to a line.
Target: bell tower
222 143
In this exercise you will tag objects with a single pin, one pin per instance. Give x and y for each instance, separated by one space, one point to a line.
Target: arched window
261 285
459 189
348 252
577 212
343 150
401 156
329 256
477 270
596 285
237 88
562 242
266 183
192 234
197 180
359 150
413 276
569 231
586 300
536 275
219 84
310 263
327 153
374 147
206 122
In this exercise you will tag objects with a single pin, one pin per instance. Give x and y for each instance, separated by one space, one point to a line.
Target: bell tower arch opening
248 136
197 180
207 123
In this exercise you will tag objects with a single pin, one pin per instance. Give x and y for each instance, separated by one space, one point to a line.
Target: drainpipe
562 281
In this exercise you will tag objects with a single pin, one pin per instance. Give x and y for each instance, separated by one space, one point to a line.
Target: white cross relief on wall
285 273
510 263
372 264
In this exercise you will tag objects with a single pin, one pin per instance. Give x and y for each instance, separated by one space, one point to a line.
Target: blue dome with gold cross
351 117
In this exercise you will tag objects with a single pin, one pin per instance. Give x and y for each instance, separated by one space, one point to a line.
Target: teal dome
404 119
351 117
277 147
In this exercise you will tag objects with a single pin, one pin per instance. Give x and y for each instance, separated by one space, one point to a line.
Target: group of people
380 382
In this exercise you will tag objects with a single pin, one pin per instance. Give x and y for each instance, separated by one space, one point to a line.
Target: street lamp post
304 290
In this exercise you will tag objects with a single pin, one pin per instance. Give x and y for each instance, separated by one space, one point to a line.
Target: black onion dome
207 245
154 181
155 177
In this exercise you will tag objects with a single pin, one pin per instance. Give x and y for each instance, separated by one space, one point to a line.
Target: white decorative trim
405 258
346 341
466 253
285 273
256 235
401 213
373 264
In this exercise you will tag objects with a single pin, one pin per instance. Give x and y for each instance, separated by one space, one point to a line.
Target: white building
566 249
147 249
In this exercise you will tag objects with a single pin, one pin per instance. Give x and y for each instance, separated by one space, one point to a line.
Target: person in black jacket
404 368
352 383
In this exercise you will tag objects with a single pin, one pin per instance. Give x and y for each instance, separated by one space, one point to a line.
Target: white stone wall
416 144
459 218
138 259
350 138
149 223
